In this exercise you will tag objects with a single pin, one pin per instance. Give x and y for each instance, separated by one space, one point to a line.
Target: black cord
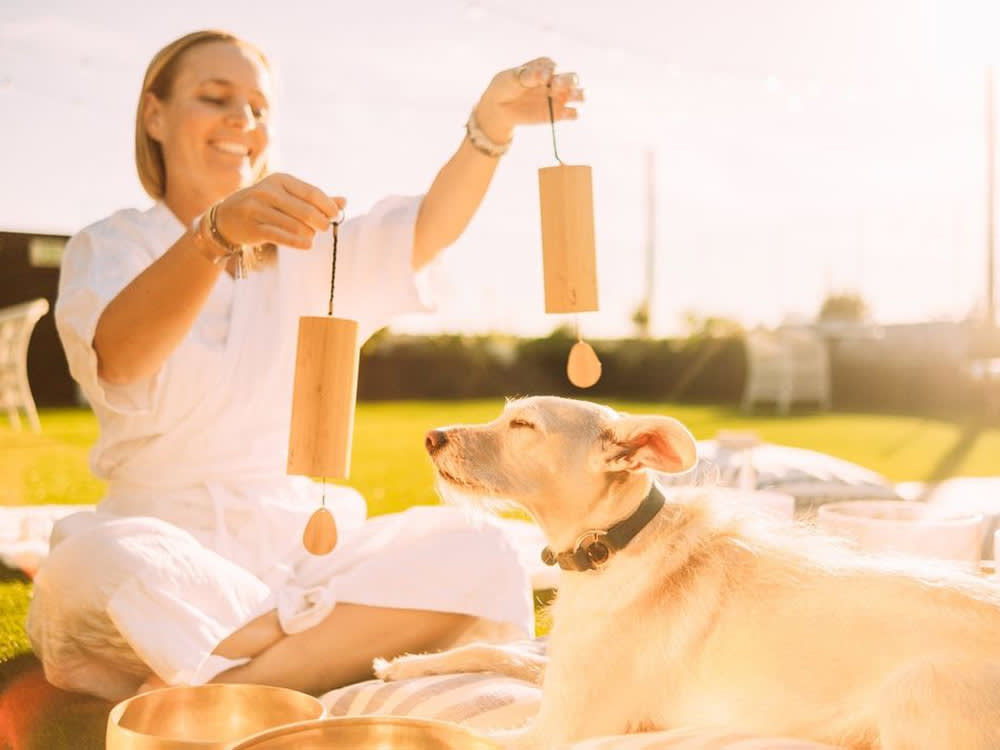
552 120
333 265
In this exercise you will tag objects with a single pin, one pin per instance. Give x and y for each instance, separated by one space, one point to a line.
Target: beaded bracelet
208 245
483 143
208 230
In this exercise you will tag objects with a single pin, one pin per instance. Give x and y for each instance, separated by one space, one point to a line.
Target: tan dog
708 618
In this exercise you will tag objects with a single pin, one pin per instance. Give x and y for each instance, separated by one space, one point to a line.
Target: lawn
391 470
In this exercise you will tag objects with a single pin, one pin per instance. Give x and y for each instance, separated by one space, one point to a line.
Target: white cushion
811 477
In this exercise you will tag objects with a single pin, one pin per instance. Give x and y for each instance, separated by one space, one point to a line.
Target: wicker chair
16 324
786 366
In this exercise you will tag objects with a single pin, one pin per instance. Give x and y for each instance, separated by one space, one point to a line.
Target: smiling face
212 124
571 464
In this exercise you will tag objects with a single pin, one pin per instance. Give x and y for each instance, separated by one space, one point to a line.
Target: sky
798 147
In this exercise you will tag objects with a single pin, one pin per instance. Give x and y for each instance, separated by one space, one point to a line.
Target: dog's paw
381 668
408 666
400 668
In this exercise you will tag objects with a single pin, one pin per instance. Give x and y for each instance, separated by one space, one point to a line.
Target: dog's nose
435 440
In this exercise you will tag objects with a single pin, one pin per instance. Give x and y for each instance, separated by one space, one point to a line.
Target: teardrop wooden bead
583 367
320 536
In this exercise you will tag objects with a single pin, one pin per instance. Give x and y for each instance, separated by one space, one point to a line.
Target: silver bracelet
483 143
245 254
208 244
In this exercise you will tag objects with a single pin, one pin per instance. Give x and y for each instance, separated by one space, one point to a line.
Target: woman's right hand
279 209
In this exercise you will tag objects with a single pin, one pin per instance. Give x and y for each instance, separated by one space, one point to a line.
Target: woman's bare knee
256 636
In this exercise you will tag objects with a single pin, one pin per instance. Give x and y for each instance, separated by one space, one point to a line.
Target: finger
568 95
536 73
565 82
298 208
269 216
310 194
567 113
282 237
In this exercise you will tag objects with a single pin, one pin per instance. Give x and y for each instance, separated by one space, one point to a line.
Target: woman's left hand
520 96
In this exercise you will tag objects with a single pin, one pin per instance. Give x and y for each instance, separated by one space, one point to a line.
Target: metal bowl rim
115 715
250 742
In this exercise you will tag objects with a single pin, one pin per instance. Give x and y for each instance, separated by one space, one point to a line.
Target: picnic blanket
24 533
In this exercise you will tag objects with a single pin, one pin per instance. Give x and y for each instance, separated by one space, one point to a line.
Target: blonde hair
159 81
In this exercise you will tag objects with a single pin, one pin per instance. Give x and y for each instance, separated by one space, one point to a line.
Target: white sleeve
90 277
375 277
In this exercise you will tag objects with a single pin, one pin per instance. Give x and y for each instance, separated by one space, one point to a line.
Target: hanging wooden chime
323 399
566 199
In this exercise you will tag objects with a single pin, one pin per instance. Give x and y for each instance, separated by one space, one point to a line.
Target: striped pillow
485 701
482 700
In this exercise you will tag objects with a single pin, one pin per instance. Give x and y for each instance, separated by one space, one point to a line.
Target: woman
192 568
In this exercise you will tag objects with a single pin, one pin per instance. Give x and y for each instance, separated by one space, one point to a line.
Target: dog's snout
435 440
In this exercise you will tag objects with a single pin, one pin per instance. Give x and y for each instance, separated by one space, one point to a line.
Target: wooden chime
323 399
566 200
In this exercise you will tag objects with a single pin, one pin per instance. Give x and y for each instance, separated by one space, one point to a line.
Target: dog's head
566 462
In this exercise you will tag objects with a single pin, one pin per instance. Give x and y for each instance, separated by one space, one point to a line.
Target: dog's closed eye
516 423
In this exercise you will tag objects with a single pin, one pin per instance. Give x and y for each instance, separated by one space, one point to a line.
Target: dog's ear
653 442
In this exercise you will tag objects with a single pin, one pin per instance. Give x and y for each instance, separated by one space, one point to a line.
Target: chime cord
329 310
333 263
552 121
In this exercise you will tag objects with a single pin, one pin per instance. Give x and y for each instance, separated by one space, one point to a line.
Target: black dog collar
595 548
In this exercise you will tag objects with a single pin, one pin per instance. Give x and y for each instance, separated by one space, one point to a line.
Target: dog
684 612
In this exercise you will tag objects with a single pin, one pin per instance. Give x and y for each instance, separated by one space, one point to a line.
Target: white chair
16 324
786 366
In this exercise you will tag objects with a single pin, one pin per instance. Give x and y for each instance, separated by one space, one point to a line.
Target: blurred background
756 164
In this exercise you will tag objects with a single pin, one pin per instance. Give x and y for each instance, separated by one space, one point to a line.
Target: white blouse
220 406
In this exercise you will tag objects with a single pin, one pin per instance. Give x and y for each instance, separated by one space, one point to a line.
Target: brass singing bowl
370 733
204 717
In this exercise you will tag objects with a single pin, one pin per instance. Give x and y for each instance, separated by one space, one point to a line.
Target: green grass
390 468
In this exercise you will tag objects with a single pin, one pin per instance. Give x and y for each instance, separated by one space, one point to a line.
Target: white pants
120 597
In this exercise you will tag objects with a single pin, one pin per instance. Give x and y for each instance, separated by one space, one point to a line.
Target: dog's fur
713 618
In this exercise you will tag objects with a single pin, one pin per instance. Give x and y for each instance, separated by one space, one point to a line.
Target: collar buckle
596 546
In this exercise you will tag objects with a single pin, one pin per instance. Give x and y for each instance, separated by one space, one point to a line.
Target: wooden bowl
204 717
369 732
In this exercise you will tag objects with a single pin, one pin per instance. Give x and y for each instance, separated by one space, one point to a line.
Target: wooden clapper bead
568 249
320 535
583 368
326 384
